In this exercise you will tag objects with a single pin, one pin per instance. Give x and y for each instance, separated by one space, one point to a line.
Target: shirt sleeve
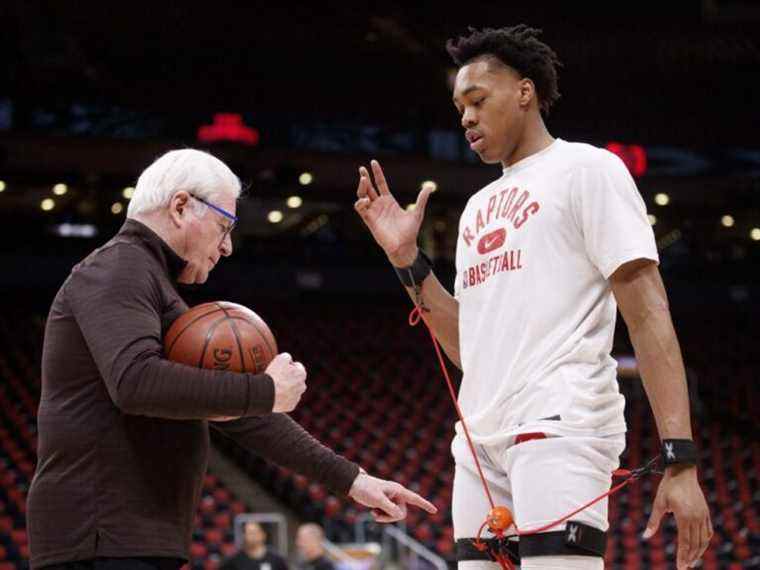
114 297
279 439
612 215
457 262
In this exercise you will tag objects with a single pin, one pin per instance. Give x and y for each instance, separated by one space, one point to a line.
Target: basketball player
545 255
123 433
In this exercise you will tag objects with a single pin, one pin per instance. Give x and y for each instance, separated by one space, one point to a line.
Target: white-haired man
123 433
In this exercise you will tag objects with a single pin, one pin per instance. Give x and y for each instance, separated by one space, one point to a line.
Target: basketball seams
191 323
258 332
236 332
198 334
209 336
251 318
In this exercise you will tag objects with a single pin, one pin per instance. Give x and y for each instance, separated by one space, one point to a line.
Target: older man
123 433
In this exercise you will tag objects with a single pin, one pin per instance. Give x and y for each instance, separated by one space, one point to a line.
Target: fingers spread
365 189
422 199
361 204
382 185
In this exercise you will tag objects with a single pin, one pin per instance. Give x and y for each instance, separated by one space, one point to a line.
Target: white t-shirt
536 311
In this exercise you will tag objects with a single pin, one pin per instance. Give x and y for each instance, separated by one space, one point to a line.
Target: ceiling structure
684 76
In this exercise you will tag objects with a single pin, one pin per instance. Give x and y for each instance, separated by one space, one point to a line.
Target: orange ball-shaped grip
499 519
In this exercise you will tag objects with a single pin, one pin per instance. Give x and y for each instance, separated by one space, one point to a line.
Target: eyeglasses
223 212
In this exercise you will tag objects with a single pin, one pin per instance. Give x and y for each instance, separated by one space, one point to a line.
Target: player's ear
526 92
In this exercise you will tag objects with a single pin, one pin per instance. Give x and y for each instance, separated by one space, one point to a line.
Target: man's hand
387 499
679 493
289 382
394 229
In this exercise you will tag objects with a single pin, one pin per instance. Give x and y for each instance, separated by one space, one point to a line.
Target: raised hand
394 229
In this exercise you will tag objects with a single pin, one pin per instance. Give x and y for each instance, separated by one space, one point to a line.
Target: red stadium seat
19 536
198 550
237 507
213 536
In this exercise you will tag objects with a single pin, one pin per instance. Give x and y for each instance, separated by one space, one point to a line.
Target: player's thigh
469 503
555 476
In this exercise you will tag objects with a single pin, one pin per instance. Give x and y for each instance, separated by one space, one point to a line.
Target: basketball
221 336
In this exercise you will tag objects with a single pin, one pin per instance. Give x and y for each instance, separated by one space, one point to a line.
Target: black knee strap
466 549
577 539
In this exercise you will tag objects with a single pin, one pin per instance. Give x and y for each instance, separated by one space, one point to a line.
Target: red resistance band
500 519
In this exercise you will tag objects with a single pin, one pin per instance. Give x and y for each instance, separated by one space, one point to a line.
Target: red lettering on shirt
467 235
481 272
517 205
529 210
490 209
510 198
507 204
479 225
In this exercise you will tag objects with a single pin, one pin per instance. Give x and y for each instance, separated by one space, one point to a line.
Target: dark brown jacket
123 439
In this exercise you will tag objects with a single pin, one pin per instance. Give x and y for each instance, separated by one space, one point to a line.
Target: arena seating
376 395
213 537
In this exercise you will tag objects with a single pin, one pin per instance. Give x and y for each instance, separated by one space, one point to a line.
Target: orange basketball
221 336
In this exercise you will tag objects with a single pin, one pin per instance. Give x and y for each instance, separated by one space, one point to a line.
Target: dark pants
138 563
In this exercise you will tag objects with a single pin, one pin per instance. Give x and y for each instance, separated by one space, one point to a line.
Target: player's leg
470 505
554 476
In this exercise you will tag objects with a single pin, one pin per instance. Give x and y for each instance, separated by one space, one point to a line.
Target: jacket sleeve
279 439
114 297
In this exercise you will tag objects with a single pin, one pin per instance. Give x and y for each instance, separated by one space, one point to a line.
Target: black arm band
415 274
678 452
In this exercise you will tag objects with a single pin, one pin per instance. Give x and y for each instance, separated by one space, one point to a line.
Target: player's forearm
442 314
662 371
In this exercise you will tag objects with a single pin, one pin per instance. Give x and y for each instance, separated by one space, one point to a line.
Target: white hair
194 171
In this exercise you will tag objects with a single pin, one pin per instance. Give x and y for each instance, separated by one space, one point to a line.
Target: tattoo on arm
419 301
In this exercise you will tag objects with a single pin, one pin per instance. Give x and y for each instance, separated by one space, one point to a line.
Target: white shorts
539 480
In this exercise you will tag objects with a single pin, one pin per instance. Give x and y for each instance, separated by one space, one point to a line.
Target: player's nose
468 119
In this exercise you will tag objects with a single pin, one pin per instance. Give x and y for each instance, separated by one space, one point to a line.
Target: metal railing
398 545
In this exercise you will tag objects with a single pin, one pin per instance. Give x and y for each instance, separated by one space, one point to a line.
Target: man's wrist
679 452
414 274
404 257
678 469
356 479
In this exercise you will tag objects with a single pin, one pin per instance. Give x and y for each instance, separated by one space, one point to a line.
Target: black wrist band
415 274
678 452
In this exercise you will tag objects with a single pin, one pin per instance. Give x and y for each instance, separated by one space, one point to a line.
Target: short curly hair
517 47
